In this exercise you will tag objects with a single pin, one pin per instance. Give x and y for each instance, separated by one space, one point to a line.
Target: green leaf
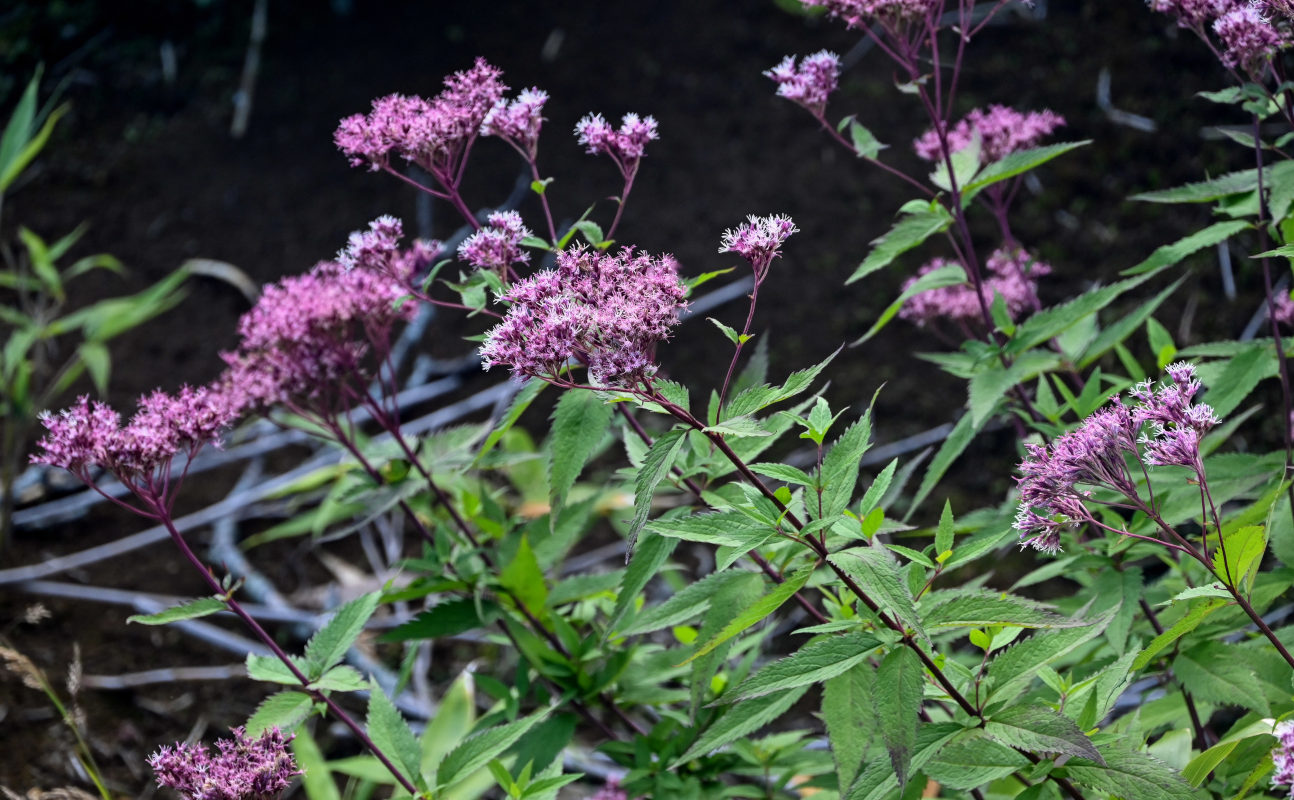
1014 668
951 275
945 532
866 144
972 759
1241 556
580 420
815 662
1052 321
391 735
1216 673
97 362
682 606
879 781
989 385
284 710
341 678
760 397
271 669
524 580
840 467
745 717
455 716
1017 163
328 646
655 467
449 618
897 696
1170 254
758 611
731 333
1179 629
316 778
965 163
978 608
877 573
1204 191
1198 770
193 609
911 230
783 472
10 169
848 711
17 132
876 492
739 426
482 747
520 402
1039 729
645 562
1124 326
1129 775
1241 374
724 529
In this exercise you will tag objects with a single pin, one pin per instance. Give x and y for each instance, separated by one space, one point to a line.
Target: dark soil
153 169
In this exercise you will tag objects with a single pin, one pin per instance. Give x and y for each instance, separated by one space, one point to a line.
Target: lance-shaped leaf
520 402
877 573
646 561
758 611
284 710
683 605
879 781
1170 254
972 759
746 717
193 609
723 528
762 396
985 607
449 618
951 275
655 467
1013 669
1129 774
1052 321
840 467
1039 729
897 696
391 735
849 714
920 222
1217 673
328 646
1178 629
815 662
579 421
482 747
1015 164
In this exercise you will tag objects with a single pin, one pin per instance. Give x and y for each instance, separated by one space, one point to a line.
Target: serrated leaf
847 711
990 384
656 465
520 402
1218 673
450 618
1170 254
1123 327
911 230
840 467
1017 163
739 426
391 735
815 662
1013 669
1179 629
1204 191
897 696
758 611
876 492
783 472
1130 775
524 580
284 710
953 446
760 397
877 573
1198 770
480 748
201 607
1238 560
972 759
341 678
580 420
952 275
455 716
945 532
328 646
731 333
646 561
741 719
1052 321
1239 377
681 606
271 669
1038 729
879 781
723 528
978 608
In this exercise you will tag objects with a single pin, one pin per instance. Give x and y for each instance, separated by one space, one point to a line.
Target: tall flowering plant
926 682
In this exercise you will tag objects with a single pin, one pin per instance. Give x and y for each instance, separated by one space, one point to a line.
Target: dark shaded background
152 167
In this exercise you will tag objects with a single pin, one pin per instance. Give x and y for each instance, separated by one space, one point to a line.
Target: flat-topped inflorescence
608 310
810 83
625 146
1001 131
1012 273
497 245
242 768
759 240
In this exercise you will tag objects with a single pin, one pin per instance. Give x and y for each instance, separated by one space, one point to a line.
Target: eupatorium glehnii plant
826 645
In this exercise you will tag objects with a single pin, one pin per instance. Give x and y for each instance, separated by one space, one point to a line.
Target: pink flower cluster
378 250
242 768
809 84
855 13
518 122
611 791
1283 756
1093 454
606 310
90 435
1012 273
435 134
1248 39
308 339
497 246
625 146
759 241
1002 131
1284 308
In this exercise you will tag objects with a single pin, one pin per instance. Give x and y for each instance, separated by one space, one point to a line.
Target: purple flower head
242 768
1194 14
1284 309
497 246
1283 756
811 83
90 435
1096 454
1279 9
1012 273
309 339
607 310
1002 131
518 122
759 241
855 13
611 791
435 134
1248 40
625 146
